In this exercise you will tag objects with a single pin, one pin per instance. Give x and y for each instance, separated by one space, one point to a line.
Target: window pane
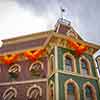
70 92
68 64
70 89
84 67
88 93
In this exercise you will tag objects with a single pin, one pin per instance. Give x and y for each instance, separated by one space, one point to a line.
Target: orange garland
78 48
9 60
35 55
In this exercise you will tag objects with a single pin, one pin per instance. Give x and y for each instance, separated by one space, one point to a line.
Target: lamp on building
1 43
98 63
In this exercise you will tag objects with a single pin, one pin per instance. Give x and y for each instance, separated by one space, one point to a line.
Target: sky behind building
19 17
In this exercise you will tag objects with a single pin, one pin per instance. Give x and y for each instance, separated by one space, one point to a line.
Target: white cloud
15 21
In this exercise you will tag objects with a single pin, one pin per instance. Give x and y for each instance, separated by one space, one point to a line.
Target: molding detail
88 65
76 87
15 68
7 91
30 90
36 62
88 84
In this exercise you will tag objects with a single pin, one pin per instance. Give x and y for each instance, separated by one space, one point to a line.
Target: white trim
14 68
94 96
32 87
76 87
74 67
88 65
56 74
58 26
11 88
22 82
56 58
78 75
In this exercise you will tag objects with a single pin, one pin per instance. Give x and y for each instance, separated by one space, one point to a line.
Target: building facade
53 65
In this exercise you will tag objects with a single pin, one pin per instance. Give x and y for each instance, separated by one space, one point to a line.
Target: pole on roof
62 12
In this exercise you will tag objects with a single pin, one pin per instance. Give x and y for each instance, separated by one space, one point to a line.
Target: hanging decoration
8 59
35 55
79 48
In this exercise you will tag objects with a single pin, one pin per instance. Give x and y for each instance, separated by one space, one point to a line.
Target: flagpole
62 11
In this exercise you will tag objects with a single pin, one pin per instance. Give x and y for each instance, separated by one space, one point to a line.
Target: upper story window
36 68
10 94
85 66
14 71
89 92
34 92
69 63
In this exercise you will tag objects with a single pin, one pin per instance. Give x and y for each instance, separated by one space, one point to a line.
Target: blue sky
19 17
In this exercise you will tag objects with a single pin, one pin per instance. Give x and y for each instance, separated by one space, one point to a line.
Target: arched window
85 66
71 90
36 68
52 64
51 91
10 94
89 92
34 93
69 63
14 71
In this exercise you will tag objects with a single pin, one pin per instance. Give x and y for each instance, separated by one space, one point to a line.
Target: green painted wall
61 51
79 80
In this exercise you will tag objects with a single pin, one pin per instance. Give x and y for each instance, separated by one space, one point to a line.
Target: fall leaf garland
79 49
35 55
9 59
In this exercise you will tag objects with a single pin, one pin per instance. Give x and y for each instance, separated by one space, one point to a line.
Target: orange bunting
35 55
78 48
9 59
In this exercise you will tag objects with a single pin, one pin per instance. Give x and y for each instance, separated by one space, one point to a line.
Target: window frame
41 63
88 67
88 84
32 87
70 81
12 89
